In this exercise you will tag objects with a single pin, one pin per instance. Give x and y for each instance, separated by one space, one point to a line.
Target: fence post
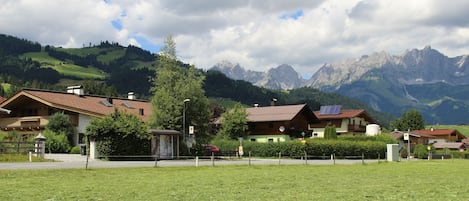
306 158
196 161
30 156
279 157
156 160
213 159
333 156
363 158
249 158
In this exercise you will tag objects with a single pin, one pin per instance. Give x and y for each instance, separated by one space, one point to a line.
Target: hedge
313 148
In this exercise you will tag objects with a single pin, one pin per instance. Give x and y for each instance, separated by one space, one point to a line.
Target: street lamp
184 120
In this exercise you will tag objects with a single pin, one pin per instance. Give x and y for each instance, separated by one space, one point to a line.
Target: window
253 139
315 134
270 140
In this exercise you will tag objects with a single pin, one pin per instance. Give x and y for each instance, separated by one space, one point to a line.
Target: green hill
111 69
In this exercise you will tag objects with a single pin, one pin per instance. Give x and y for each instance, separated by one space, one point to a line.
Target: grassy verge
20 158
415 180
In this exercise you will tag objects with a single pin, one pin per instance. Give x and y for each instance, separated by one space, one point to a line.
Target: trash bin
83 149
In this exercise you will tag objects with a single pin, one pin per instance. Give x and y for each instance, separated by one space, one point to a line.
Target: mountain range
422 79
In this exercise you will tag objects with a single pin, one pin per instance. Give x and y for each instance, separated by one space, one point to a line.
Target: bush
420 151
56 143
75 150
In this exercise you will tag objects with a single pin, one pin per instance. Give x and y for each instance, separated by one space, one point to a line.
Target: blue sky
258 35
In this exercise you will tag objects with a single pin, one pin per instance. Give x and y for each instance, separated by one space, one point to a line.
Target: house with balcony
279 123
448 135
345 121
28 111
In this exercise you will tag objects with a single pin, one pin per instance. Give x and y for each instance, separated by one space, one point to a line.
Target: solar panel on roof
330 109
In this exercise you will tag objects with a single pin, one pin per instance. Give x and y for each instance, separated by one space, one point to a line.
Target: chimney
131 96
140 112
109 99
77 90
432 129
272 102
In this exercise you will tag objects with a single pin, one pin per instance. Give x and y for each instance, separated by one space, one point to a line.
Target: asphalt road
74 161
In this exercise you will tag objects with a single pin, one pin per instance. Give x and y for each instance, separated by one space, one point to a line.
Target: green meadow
414 180
65 68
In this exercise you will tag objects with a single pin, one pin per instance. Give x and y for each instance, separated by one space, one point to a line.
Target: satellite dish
281 128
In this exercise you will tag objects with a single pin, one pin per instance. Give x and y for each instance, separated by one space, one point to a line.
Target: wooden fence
19 147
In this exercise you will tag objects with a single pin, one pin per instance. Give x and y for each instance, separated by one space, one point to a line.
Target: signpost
407 137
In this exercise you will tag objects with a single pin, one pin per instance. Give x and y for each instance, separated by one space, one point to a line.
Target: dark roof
440 132
400 135
277 113
83 104
344 114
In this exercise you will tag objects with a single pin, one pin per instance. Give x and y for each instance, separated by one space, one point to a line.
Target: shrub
420 151
56 142
75 150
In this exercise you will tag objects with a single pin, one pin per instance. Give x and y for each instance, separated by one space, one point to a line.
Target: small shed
165 143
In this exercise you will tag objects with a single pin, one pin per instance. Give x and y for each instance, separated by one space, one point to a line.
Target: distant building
345 121
279 123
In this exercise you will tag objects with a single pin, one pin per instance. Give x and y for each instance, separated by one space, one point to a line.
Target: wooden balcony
31 122
356 128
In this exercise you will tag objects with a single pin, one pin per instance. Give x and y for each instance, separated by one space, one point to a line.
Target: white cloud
255 34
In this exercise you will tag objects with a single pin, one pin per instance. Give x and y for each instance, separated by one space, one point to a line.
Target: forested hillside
113 70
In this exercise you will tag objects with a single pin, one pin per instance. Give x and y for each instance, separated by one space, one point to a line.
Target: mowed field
407 180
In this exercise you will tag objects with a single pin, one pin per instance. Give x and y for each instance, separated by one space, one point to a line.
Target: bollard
197 161
249 158
363 159
30 157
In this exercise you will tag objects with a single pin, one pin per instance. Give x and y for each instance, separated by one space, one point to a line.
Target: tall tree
169 48
172 86
411 119
234 123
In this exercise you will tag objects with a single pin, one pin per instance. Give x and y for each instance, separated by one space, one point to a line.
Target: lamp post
184 120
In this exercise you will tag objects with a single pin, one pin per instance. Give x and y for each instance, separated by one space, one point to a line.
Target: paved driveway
75 161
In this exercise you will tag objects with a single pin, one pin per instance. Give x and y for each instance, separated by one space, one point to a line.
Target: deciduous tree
234 123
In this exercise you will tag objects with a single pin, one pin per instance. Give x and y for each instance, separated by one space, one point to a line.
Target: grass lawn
415 180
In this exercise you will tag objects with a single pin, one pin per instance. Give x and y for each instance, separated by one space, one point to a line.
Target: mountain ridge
382 80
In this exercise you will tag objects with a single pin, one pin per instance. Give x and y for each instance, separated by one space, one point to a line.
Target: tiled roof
344 114
400 134
449 145
84 104
435 132
274 113
2 99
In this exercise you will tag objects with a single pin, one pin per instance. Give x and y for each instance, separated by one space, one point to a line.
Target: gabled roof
449 145
84 104
437 132
277 113
400 135
344 114
2 99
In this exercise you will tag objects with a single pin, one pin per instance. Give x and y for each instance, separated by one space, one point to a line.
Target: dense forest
121 69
